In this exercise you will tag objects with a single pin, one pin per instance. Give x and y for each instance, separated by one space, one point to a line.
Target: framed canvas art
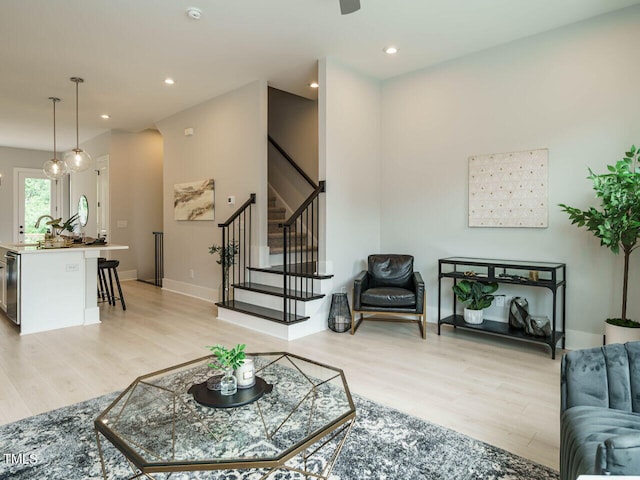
509 189
194 200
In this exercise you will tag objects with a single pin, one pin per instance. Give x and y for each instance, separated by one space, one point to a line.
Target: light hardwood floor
500 391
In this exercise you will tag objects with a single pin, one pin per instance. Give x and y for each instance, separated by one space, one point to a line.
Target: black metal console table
552 276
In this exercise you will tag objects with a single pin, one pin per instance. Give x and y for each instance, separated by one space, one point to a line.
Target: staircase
285 299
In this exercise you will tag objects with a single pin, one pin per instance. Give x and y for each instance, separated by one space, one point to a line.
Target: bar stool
111 267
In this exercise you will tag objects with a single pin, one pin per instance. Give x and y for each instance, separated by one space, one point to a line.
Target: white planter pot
616 334
473 316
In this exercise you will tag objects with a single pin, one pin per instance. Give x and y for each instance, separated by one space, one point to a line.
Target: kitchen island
56 288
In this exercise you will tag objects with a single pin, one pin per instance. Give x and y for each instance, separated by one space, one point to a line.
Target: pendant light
54 168
77 159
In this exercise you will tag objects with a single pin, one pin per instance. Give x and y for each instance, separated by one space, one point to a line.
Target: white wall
574 91
229 145
84 183
135 196
349 141
293 124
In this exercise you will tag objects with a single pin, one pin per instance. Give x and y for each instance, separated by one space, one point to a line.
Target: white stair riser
316 324
276 280
275 303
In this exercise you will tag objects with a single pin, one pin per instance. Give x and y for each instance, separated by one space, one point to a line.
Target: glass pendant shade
54 169
77 160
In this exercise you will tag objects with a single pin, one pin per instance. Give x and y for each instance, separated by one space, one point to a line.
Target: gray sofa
600 411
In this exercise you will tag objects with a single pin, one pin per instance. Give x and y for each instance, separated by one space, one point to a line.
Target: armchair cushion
388 297
391 271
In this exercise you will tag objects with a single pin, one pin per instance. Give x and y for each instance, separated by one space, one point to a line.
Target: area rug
384 444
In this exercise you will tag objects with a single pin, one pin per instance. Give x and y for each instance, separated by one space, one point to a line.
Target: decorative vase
617 334
226 292
214 381
473 317
245 374
228 383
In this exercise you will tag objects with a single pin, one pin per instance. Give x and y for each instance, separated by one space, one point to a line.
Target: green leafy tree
617 222
37 202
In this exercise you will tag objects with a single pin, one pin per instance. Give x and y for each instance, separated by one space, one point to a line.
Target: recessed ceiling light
390 50
194 13
169 81
314 84
105 116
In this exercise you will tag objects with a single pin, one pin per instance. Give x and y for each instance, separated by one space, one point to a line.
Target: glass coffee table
298 425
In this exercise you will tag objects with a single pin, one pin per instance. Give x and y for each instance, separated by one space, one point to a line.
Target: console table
552 276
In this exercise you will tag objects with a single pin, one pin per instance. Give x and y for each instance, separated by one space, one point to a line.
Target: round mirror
83 210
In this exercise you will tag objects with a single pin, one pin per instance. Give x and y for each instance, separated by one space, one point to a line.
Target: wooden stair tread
278 291
307 270
262 312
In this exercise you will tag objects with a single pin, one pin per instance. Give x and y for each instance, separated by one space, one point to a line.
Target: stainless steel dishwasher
13 286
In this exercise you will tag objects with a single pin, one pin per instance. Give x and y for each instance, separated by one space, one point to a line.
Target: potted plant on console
617 225
477 295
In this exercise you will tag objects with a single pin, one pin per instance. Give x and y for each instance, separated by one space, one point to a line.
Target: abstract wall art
509 189
194 200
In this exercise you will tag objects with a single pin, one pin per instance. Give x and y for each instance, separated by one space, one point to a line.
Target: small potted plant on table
228 360
477 295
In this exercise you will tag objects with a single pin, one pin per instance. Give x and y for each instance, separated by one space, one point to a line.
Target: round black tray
244 396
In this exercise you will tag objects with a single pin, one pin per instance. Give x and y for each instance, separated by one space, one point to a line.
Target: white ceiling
125 48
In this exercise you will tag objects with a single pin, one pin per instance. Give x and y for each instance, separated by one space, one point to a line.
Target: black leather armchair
389 287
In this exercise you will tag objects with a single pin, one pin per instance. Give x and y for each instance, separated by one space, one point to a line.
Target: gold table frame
329 437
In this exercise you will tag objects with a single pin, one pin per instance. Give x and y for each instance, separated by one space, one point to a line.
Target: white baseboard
128 275
577 340
190 290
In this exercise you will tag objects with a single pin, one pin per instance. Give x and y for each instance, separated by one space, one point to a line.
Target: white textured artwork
193 200
509 189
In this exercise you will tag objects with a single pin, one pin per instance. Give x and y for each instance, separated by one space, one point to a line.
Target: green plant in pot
226 258
617 224
476 295
227 360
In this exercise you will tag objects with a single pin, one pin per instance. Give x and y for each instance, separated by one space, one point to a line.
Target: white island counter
57 287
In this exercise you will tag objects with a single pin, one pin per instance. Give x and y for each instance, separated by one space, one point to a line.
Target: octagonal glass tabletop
155 422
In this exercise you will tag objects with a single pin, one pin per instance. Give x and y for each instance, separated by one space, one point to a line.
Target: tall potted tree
617 225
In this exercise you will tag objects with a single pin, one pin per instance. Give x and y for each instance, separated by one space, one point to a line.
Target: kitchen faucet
43 216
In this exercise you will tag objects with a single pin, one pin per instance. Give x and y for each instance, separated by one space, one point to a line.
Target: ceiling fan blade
349 6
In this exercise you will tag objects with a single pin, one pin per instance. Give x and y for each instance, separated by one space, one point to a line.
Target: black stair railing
292 162
159 258
236 248
300 252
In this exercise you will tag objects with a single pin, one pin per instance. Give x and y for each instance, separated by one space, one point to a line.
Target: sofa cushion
585 429
389 297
